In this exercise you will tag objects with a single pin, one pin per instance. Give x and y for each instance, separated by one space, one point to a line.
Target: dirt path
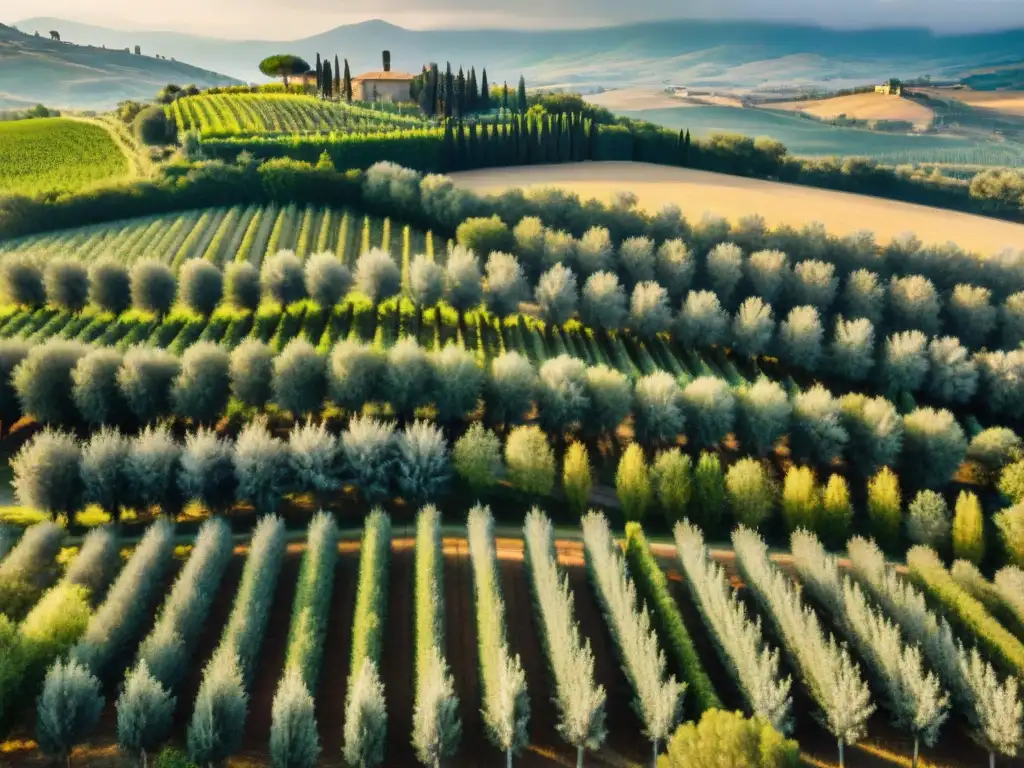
700 192
397 668
332 687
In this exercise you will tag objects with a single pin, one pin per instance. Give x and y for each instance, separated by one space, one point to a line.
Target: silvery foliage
611 398
1009 583
282 278
104 468
912 694
389 184
724 266
67 284
440 197
377 276
558 248
993 707
529 236
355 373
603 304
668 223
34 552
153 286
649 312
954 373
152 466
971 314
505 704
658 696
863 296
750 232
904 363
218 720
294 742
703 322
409 377
98 559
579 698
459 382
504 284
109 285
511 388
752 663
562 397
556 295
934 445
852 352
800 338
914 304
594 251
207 470
315 457
830 675
43 380
817 433
252 371
1002 375
327 279
116 623
769 274
68 708
928 520
463 287
674 266
145 713
366 718
145 379
814 284
300 378
367 447
1011 320
200 285
875 429
203 385
710 410
636 260
426 281
262 466
422 463
437 728
242 285
763 413
753 327
659 408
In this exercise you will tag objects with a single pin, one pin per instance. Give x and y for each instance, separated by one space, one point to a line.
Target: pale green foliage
672 480
355 374
68 708
12 352
477 457
371 593
207 470
972 317
145 711
95 391
885 507
367 447
953 377
153 286
836 514
832 678
218 720
633 483
727 738
377 276
708 491
928 520
911 694
659 408
657 696
875 431
737 638
934 445
308 627
67 284
53 625
504 284
299 384
463 282
724 266
262 466
611 399
769 274
914 303
817 434
1011 482
511 388
753 327
800 338
426 281
594 251
1010 525
109 285
145 378
242 286
327 280
1002 374
293 737
562 398
252 371
46 474
201 390
27 568
763 413
801 499
282 278
314 456
505 704
814 284
556 295
98 559
1011 320
580 700
200 286
529 460
459 382
702 322
851 354
904 363
603 304
576 478
994 448
649 312
674 266
968 528
43 380
1009 585
750 492
422 467
409 377
636 259
710 410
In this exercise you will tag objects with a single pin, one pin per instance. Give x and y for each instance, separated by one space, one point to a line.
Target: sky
273 19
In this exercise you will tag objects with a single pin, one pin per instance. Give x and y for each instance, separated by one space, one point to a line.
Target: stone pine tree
521 96
348 83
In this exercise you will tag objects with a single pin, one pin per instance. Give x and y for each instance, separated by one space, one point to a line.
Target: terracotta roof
383 76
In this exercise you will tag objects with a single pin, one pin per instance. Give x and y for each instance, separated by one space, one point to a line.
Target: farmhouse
382 86
890 88
306 79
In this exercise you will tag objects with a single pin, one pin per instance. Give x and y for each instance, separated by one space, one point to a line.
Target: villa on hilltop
891 87
384 85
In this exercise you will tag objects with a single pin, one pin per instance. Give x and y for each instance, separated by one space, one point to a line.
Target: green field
811 138
56 154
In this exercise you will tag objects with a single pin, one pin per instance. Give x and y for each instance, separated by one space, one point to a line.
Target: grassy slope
63 75
56 154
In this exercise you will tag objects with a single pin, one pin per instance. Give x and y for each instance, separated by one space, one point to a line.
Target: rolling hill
733 54
67 75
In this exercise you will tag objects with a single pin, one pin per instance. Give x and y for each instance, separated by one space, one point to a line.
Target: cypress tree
592 142
337 76
486 144
485 92
348 83
522 95
473 99
564 139
686 148
504 96
449 91
448 146
319 75
547 140
681 147
460 146
327 80
460 94
472 151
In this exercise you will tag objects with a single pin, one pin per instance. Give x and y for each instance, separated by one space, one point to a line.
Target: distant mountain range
694 53
68 75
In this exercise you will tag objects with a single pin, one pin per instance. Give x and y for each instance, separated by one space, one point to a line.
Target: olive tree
1011 318
511 388
21 282
649 312
753 327
263 470
145 378
710 410
95 390
904 363
377 276
994 448
800 338
594 251
327 279
422 464
636 260
463 282
504 284
674 266
603 304
611 399
242 285
426 282
207 470
667 224
68 709
299 382
1002 379
914 304
972 318
368 455
484 236
768 273
459 382
67 284
659 409
252 372
817 434
953 376
46 473
556 295
203 385
282 278
875 430
852 352
724 266
110 287
863 296
315 457
934 446
408 381
529 460
814 284
703 322
153 287
928 520
562 397
559 248
200 286
477 457
43 380
355 375
152 468
12 352
529 244
763 413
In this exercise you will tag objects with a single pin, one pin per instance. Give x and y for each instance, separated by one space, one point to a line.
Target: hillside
735 54
862 106
72 76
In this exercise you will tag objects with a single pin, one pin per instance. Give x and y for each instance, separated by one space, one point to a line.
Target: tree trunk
841 762
144 760
917 748
991 760
654 746
508 758
579 756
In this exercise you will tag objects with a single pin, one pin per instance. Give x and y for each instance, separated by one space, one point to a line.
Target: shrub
282 278
904 363
954 374
152 468
327 279
633 483
103 467
594 251
763 413
769 274
968 529
426 281
576 478
672 481
355 374
933 446
200 286
145 711
800 338
710 410
203 385
367 447
703 322
207 471
46 473
145 379
728 738
153 286
817 434
709 497
262 467
242 286
885 508
972 317
422 465
994 448
294 742
44 383
110 286
529 460
801 499
12 352
724 265
1011 482
511 388
463 281
68 709
484 236
477 457
562 397
94 389
836 513
67 284
928 520
674 267
299 382
814 284
636 259
659 408
852 352
152 126
875 430
218 721
649 313
1010 525
504 284
529 235
753 327
914 304
863 296
556 295
603 304
750 492
459 382
252 372
408 381
314 455
21 282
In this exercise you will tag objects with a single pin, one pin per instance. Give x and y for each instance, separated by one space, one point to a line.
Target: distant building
382 86
890 88
306 79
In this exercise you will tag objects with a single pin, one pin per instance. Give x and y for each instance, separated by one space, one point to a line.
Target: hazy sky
273 19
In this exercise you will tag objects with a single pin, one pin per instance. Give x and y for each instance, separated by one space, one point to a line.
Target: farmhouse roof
398 76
